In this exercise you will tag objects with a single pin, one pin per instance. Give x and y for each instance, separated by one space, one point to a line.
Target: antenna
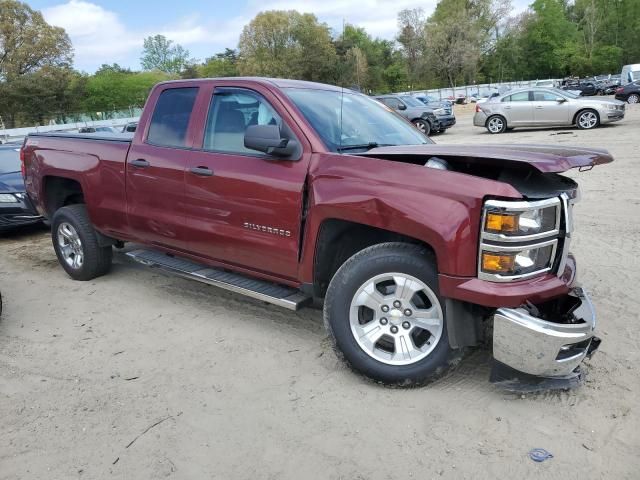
341 91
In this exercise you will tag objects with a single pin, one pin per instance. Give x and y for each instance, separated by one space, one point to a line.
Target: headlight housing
8 198
518 239
439 111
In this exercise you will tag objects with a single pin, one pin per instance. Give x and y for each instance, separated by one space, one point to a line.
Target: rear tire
423 126
633 98
76 244
496 124
587 119
393 331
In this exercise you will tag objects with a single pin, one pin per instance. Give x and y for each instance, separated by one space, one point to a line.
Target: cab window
170 119
231 111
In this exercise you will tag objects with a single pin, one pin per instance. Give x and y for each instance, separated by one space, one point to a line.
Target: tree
160 53
28 43
287 44
224 64
411 25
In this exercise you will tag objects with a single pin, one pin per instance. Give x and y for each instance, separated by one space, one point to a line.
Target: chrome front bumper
552 347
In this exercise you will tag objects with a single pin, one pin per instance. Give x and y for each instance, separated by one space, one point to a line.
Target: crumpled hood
11 182
546 159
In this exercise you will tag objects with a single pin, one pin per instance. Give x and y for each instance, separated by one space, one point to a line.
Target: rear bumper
550 341
480 119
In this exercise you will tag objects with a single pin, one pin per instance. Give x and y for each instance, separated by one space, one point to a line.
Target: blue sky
112 31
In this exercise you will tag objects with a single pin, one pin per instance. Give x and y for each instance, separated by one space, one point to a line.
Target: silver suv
542 107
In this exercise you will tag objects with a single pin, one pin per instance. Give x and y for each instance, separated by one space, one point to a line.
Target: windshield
9 159
365 122
412 102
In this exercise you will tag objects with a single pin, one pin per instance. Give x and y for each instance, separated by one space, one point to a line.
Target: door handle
539 108
140 163
201 171
507 107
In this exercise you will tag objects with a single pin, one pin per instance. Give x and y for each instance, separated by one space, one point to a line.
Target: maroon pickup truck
298 193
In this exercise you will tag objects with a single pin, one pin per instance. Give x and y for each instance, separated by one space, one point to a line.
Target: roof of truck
278 82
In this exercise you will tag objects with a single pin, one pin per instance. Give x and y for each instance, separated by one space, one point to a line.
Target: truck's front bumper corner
541 347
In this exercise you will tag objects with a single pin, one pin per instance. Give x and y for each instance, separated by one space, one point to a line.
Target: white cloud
100 36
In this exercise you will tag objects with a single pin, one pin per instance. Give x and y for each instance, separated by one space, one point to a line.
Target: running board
280 295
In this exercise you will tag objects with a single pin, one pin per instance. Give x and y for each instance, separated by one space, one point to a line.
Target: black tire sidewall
93 264
348 279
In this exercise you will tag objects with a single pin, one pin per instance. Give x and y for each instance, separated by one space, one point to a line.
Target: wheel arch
60 191
350 238
506 122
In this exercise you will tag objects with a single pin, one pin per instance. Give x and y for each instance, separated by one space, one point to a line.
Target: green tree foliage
110 90
223 64
160 53
287 44
28 43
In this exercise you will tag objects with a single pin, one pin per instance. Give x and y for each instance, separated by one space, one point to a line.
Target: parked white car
541 107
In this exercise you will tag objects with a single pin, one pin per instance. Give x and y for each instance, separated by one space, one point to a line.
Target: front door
244 207
155 170
547 110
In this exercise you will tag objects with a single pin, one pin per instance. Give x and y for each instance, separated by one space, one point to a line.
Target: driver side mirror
561 99
402 106
268 139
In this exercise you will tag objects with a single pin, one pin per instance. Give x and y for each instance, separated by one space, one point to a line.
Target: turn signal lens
497 263
501 223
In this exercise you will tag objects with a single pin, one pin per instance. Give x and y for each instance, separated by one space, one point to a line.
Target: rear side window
517 97
171 117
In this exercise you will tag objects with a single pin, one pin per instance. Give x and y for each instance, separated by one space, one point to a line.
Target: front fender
439 208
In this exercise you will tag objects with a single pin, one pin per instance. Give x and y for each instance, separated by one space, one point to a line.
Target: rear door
155 169
518 109
244 207
547 110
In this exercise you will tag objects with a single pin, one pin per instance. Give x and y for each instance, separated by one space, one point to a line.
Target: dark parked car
426 119
586 89
629 93
96 130
130 127
432 102
15 207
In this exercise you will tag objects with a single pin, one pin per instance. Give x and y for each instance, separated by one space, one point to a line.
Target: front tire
496 124
634 98
76 244
385 316
423 126
587 119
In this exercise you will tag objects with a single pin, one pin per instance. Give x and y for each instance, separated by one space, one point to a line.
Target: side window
170 118
230 113
519 97
393 103
544 97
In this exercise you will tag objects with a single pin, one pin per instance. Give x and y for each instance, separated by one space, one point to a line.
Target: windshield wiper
366 146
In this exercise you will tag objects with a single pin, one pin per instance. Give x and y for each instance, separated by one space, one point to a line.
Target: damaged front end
541 347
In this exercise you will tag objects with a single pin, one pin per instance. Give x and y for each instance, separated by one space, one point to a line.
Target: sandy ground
246 390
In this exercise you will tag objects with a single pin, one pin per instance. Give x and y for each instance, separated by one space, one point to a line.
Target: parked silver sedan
542 107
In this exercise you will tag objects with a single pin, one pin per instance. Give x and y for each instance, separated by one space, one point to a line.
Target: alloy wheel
588 120
396 319
70 245
496 125
633 98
